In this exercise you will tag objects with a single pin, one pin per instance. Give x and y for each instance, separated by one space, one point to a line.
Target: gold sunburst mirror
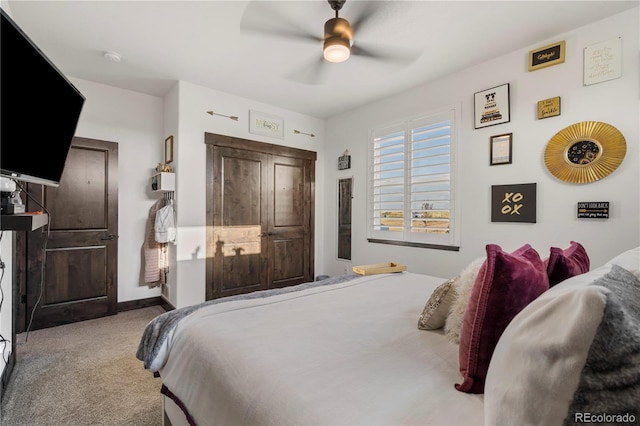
585 152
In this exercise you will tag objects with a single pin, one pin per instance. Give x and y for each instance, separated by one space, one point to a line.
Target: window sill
414 244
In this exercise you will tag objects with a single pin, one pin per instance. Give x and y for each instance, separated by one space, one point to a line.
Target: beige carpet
84 374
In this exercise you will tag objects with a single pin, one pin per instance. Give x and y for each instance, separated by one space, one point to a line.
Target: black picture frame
492 106
500 149
514 203
344 162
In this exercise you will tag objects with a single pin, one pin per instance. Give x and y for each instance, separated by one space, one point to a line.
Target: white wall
135 122
194 102
614 102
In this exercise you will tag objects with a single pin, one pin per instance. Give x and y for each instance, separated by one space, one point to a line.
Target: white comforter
348 353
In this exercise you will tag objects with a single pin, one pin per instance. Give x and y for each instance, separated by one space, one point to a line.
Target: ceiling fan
338 43
338 35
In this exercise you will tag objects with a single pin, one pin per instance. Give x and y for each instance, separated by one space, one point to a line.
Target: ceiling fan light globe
336 50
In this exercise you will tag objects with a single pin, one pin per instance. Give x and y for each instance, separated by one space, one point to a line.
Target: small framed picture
492 106
500 149
552 54
344 162
168 150
549 108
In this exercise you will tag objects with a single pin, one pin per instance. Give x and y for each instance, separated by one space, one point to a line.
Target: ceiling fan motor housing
337 28
337 35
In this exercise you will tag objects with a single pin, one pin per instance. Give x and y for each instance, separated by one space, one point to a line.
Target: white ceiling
210 43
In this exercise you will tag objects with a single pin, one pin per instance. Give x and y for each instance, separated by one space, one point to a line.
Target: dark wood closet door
239 212
288 233
259 216
81 268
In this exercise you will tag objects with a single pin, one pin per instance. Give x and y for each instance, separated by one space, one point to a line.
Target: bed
348 350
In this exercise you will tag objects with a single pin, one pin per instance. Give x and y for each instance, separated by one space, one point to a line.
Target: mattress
344 353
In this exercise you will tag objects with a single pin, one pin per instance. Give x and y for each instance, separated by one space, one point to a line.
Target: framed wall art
266 124
344 161
500 149
513 203
168 150
491 106
603 61
546 56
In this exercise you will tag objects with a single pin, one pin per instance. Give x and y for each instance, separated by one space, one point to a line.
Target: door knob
109 237
265 234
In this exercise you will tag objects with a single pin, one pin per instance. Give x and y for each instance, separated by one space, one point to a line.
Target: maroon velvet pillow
506 283
563 264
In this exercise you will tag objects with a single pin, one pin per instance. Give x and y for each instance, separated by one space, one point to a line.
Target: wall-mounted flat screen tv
39 110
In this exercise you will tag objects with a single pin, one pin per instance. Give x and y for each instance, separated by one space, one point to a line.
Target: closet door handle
265 234
109 237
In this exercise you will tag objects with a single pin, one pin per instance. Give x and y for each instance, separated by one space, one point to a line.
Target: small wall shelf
163 182
23 221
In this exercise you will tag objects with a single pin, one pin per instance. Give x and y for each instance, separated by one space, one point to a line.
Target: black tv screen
39 110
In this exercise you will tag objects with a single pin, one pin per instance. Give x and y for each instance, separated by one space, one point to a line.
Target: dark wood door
240 207
260 216
288 234
79 252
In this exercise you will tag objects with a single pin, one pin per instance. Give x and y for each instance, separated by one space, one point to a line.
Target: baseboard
6 374
168 306
130 305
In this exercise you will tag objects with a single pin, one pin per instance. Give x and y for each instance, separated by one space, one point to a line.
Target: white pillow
541 367
463 286
437 307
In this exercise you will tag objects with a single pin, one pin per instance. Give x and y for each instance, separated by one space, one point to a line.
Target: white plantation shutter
411 196
388 180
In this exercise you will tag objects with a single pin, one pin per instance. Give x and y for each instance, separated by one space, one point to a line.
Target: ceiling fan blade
288 33
261 19
313 73
387 54
364 15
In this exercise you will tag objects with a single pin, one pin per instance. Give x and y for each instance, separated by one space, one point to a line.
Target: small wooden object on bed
379 268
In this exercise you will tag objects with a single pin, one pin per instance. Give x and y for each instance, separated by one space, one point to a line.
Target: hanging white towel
155 254
165 226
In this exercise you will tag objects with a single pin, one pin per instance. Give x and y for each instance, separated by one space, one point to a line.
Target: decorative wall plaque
549 107
266 124
552 54
593 210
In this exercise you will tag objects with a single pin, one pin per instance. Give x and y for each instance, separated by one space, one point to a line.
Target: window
411 191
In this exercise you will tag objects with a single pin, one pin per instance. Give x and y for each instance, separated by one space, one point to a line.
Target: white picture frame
264 124
602 61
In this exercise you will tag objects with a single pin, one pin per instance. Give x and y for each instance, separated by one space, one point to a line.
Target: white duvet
340 354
